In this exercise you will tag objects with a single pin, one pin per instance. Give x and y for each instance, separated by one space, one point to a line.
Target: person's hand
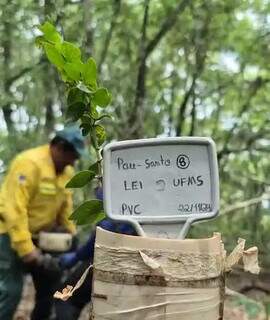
49 263
68 260
32 257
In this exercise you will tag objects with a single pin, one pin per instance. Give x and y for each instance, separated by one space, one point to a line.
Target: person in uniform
33 198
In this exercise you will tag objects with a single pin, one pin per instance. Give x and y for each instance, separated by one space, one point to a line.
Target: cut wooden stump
146 278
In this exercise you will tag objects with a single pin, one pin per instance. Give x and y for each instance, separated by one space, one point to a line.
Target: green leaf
39 41
71 52
89 73
54 56
93 111
50 33
75 95
64 76
88 213
100 134
72 70
75 111
86 128
98 217
102 97
81 179
83 88
95 167
87 119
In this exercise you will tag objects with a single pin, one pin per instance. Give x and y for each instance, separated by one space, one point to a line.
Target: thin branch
134 122
193 116
135 119
47 76
240 150
21 73
254 87
183 107
200 56
18 75
116 11
7 49
166 26
217 118
173 77
262 182
245 204
88 43
261 134
73 2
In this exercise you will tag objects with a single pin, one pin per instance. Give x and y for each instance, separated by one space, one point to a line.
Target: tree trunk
108 38
87 25
48 99
135 119
146 278
7 47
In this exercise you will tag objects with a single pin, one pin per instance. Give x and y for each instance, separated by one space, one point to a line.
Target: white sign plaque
161 186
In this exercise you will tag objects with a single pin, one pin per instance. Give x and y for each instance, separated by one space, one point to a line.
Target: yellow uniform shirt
34 198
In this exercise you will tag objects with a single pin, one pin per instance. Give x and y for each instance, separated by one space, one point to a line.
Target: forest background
174 68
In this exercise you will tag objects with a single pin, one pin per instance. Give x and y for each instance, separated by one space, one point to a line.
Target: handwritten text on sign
169 180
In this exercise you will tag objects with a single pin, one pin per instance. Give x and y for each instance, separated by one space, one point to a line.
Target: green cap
72 134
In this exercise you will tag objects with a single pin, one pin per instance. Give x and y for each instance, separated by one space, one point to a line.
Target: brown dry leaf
68 291
65 294
235 255
151 263
250 260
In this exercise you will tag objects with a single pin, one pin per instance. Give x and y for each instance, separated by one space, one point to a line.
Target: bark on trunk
146 278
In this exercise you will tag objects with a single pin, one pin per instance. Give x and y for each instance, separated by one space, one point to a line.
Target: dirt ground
237 307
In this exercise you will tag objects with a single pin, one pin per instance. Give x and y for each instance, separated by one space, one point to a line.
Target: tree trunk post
147 278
